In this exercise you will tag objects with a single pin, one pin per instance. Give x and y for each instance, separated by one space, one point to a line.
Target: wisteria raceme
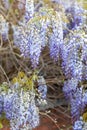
78 69
24 111
56 39
29 9
72 61
43 32
43 37
75 15
8 104
28 110
76 102
21 40
3 28
33 112
76 97
35 51
1 104
68 64
35 46
2 95
42 87
14 121
70 87
29 42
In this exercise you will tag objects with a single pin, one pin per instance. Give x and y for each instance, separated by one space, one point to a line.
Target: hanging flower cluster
42 90
17 101
29 7
4 27
74 64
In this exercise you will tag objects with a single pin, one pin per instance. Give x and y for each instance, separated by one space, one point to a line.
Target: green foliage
85 116
84 2
3 121
11 1
1 125
25 82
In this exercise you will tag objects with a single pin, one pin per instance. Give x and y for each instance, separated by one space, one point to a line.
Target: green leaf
11 1
1 125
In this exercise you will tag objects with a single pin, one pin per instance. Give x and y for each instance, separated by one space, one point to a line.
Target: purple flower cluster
8 104
56 39
70 87
20 40
29 42
77 105
78 125
76 98
19 107
1 104
73 55
35 48
3 28
24 111
33 112
29 9
42 88
75 16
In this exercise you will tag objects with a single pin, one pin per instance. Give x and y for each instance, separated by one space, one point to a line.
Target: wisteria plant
34 27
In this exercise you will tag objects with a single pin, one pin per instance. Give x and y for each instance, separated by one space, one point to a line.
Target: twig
54 121
5 74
